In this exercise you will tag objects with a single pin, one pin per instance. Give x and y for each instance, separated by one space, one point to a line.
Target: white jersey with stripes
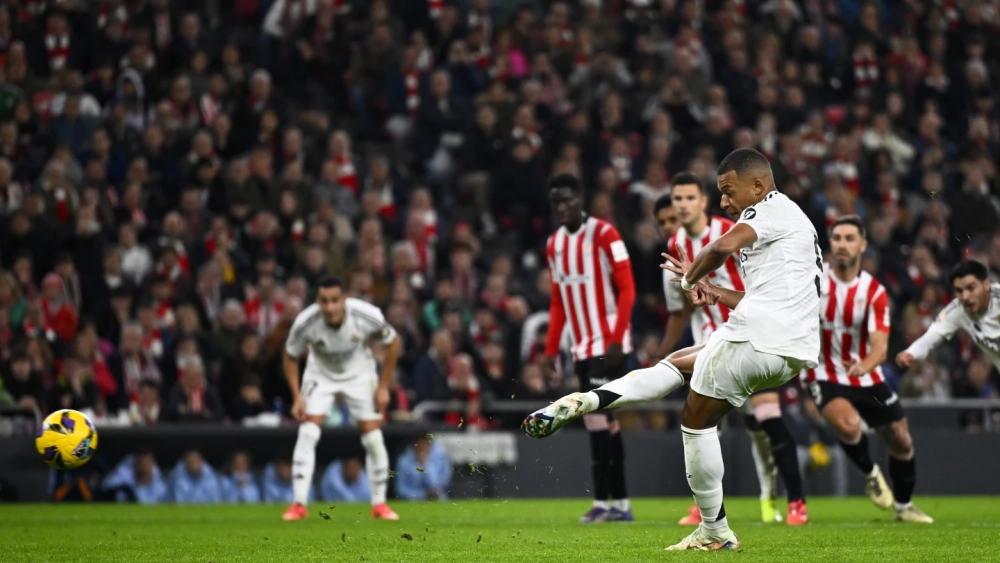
343 352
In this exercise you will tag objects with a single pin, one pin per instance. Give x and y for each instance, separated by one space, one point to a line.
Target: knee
697 418
900 444
848 428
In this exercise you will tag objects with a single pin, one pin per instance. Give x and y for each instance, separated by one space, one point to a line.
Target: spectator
345 481
137 479
145 409
423 472
74 388
192 399
240 485
193 481
24 384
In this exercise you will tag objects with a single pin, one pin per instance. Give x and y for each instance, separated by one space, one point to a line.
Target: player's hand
702 295
549 367
679 265
853 369
614 357
299 409
904 359
381 399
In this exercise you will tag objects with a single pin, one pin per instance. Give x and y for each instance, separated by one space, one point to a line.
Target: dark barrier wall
950 462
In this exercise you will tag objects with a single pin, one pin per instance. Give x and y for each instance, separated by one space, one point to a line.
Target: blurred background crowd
176 175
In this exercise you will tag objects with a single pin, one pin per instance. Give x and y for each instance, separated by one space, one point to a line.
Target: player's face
668 223
973 294
739 193
847 245
689 202
567 207
331 304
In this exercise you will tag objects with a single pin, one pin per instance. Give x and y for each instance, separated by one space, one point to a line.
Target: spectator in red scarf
59 313
131 366
192 399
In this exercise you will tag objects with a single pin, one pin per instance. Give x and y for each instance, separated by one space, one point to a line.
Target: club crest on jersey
749 213
354 338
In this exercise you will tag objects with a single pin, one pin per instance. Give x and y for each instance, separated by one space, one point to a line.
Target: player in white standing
337 332
975 309
772 444
771 335
848 385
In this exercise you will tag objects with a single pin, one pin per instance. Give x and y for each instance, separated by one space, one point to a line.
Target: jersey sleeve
765 220
943 328
622 277
878 313
298 341
672 290
376 326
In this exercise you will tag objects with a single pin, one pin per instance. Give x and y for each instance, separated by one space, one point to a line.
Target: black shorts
594 372
878 405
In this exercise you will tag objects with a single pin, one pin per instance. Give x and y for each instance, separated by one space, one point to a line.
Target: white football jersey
339 353
984 329
779 314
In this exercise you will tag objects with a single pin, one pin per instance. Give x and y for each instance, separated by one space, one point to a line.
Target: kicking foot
595 514
383 512
878 490
693 517
545 422
768 513
913 514
699 540
798 515
295 512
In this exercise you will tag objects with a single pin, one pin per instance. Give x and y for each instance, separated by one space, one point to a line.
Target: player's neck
847 275
698 227
574 226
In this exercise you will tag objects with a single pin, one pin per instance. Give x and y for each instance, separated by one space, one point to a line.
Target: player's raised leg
902 470
638 386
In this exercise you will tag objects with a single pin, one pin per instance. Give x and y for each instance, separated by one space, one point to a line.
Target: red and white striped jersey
584 265
704 320
849 312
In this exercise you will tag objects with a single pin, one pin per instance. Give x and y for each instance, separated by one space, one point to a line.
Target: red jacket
62 319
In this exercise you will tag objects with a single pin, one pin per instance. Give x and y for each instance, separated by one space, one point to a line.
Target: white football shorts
732 371
320 392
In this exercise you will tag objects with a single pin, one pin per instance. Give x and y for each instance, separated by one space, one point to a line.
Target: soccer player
772 444
337 331
848 384
772 334
976 310
592 290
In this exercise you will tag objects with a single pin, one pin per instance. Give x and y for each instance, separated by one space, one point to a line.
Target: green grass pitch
841 530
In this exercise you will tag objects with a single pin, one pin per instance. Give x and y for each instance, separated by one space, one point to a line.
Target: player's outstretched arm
713 256
943 328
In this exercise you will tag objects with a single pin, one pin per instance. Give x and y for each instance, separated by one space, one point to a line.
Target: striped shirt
583 264
704 320
849 313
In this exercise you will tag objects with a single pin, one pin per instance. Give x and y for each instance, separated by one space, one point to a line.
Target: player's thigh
878 405
733 371
684 359
836 403
359 397
318 392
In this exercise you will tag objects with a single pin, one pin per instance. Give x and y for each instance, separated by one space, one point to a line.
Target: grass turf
841 530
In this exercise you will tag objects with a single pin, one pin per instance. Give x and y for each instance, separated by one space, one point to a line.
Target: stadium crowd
175 176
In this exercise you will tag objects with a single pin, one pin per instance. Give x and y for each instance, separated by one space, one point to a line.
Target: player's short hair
743 162
850 220
565 181
687 178
331 281
662 202
969 268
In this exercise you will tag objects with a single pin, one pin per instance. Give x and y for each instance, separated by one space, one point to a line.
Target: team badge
749 213
354 338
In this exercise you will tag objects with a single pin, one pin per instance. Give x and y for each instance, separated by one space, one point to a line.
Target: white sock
621 504
704 468
901 506
304 460
767 472
641 386
376 464
602 504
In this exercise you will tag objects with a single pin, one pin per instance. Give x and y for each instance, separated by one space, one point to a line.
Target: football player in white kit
975 309
771 335
336 331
